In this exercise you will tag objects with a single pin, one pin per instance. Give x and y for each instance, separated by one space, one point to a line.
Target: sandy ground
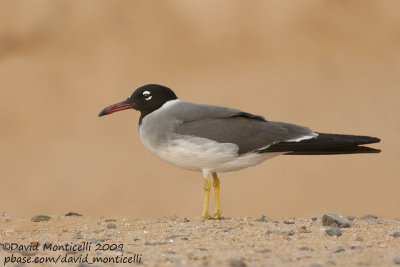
174 241
331 65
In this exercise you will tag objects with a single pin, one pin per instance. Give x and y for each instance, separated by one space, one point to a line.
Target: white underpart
202 154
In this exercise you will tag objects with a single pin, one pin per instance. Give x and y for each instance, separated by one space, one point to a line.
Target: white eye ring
147 95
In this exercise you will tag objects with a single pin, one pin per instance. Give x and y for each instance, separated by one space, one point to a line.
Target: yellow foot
217 214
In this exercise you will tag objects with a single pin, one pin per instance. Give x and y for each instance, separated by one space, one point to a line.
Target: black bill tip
103 112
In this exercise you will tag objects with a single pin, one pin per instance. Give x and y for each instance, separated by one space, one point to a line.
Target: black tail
326 144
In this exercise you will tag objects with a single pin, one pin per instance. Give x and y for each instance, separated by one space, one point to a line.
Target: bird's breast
185 151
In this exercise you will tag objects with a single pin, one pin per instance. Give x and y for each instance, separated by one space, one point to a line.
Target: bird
214 139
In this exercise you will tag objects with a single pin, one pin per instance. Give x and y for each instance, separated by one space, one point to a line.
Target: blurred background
330 65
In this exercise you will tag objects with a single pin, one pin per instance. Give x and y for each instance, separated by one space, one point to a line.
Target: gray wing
249 132
189 112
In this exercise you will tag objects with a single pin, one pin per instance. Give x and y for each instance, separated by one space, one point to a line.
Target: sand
174 241
330 65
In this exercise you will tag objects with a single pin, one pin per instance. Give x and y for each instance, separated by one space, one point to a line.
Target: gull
213 139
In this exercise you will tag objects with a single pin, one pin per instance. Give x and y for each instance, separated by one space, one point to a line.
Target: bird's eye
147 95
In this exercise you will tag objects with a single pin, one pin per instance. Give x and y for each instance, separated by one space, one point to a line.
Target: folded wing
249 132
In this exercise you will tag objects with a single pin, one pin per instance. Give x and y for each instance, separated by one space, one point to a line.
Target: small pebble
314 218
304 229
155 243
291 232
369 217
356 247
305 249
228 229
40 218
335 220
396 234
396 260
268 232
338 250
71 213
262 219
351 218
359 239
237 263
111 225
333 231
264 251
288 222
185 220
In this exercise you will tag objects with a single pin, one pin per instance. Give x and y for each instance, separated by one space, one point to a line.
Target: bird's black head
146 99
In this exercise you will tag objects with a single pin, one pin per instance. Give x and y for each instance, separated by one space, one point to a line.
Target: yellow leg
218 212
207 188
